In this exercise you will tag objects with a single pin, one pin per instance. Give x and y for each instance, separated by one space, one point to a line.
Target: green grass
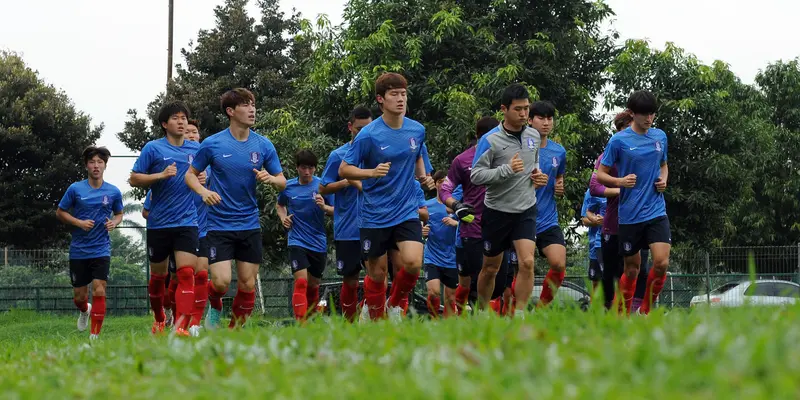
751 353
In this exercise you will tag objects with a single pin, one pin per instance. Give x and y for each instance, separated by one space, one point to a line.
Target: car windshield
724 288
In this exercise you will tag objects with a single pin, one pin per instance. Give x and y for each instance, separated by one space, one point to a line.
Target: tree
42 137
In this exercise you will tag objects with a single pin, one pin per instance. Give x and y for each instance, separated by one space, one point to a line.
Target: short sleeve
272 163
147 199
359 150
283 199
421 197
426 159
117 205
68 201
328 199
562 164
331 172
202 159
610 154
664 153
145 160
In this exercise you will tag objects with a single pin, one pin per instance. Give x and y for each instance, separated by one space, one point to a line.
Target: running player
171 282
345 215
94 208
549 237
440 255
239 159
386 157
201 272
507 163
640 155
172 223
469 257
592 212
301 210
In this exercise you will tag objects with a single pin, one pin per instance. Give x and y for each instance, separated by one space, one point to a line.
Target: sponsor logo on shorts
601 266
212 253
460 267
487 245
513 256
608 237
367 245
412 144
105 200
294 265
150 251
340 265
658 146
627 246
591 273
531 144
254 158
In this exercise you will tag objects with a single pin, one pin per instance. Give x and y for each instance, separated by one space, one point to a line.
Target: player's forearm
144 180
419 168
586 221
193 182
605 178
356 184
329 210
664 172
279 182
424 216
281 211
333 187
66 218
352 172
117 219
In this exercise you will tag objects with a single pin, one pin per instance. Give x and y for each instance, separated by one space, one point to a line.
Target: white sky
109 56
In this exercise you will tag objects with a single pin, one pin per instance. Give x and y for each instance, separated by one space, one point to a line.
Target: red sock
653 289
167 300
405 283
628 288
552 281
299 299
495 305
200 297
375 297
82 305
462 293
156 290
348 300
312 296
449 309
215 297
184 295
433 305
173 287
243 305
98 313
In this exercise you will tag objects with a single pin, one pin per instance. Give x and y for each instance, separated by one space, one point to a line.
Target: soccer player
172 223
386 157
301 210
469 256
201 271
94 208
507 163
171 282
549 237
346 215
640 155
592 213
440 254
239 158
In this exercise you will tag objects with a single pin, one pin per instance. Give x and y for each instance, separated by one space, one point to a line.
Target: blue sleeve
147 198
420 196
426 159
358 151
664 153
68 200
562 164
272 163
331 172
203 157
610 155
482 147
145 159
117 205
283 199
586 200
328 199
458 194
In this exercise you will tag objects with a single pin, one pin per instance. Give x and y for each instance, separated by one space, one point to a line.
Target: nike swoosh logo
167 158
294 197
226 155
469 168
384 147
633 148
84 198
186 292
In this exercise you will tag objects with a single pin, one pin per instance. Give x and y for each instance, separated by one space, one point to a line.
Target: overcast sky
109 56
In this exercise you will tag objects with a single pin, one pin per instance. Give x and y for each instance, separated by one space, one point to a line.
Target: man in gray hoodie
507 163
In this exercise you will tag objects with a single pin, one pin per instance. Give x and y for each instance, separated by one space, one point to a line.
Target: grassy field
722 354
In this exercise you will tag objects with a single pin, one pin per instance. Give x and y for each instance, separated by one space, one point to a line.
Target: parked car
762 292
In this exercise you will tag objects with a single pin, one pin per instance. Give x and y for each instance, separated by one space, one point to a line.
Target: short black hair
542 109
513 92
91 151
439 175
170 109
235 97
360 112
484 125
305 157
642 102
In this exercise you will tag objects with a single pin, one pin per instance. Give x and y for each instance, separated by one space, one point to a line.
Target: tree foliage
42 137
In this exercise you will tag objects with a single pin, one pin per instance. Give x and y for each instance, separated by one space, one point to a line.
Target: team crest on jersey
367 245
658 146
212 253
314 196
339 265
555 162
191 158
105 200
254 158
412 143
531 144
627 246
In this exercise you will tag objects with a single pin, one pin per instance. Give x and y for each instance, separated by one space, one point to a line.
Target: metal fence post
38 301
798 262
708 277
5 253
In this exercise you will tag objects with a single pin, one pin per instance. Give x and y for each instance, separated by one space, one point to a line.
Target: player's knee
81 296
99 291
351 281
490 269
247 285
378 276
526 265
631 271
434 292
660 266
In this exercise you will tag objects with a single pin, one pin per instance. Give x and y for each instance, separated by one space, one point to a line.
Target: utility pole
169 45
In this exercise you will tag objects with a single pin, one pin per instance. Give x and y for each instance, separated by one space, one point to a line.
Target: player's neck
638 129
239 132
304 181
95 183
438 198
175 140
512 129
394 121
544 142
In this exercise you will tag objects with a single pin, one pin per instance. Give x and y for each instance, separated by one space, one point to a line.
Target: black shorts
235 245
376 242
469 258
595 270
513 265
549 236
500 229
83 271
171 267
301 258
448 276
202 250
348 257
634 237
161 243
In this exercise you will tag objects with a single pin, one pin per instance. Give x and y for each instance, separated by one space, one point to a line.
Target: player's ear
379 99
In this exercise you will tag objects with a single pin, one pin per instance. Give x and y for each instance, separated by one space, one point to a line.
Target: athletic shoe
194 330
169 319
395 313
519 314
158 328
83 319
94 337
364 317
212 318
182 332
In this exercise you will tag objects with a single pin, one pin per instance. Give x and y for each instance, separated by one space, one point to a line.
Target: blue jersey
202 210
553 162
641 155
148 200
232 163
426 159
308 223
596 205
440 247
85 202
172 203
458 194
420 195
345 201
389 200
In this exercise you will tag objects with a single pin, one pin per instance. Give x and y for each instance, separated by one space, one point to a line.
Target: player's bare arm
284 216
209 198
559 189
605 178
327 209
146 180
661 183
68 219
334 187
113 222
422 175
352 172
277 181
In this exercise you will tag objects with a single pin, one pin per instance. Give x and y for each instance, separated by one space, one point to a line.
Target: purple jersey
611 219
459 174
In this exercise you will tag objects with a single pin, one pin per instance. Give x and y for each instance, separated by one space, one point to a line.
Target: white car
762 292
